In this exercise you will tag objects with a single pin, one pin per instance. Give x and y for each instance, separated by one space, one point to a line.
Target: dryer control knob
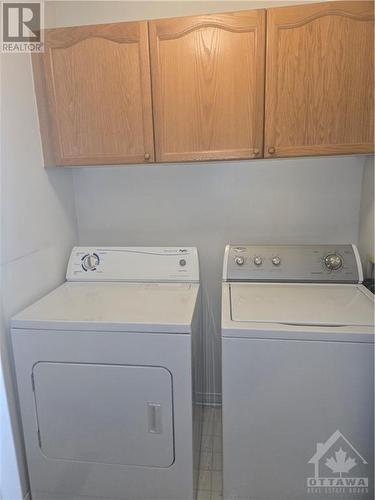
90 262
333 262
276 261
258 261
240 261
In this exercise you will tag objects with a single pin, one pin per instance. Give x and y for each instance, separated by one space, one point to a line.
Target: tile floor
210 482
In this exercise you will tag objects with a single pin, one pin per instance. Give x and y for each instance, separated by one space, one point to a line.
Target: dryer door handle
154 418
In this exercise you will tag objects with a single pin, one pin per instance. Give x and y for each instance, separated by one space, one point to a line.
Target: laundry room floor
210 483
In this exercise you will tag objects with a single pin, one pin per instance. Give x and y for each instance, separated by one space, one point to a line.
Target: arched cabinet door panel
94 95
319 79
208 86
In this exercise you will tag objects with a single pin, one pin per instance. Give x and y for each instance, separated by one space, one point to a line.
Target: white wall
10 484
366 228
76 12
38 220
211 204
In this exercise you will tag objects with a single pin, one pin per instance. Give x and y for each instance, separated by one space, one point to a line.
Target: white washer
106 368
298 374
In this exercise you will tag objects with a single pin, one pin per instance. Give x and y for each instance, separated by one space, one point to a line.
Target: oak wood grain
208 86
98 94
45 118
319 79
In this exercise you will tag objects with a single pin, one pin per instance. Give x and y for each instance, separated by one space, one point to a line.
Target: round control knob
276 261
258 261
239 261
182 262
333 262
91 262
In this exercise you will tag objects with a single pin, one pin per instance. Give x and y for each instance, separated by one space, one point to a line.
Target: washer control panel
156 264
300 263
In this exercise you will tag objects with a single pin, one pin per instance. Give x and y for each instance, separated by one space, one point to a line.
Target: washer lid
301 304
147 307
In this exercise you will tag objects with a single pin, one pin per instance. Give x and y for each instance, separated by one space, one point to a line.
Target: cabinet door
208 86
94 95
319 82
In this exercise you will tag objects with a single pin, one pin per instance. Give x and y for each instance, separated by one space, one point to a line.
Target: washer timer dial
333 261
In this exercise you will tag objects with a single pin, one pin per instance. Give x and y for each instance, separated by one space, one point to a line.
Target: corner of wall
366 216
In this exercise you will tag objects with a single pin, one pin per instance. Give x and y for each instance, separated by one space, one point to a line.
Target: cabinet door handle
271 150
147 156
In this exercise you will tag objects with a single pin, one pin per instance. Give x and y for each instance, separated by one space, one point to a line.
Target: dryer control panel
293 263
148 264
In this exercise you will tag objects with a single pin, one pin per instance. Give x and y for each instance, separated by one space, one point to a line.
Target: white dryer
106 368
298 374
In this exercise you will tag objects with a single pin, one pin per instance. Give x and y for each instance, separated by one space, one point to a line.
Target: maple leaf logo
341 463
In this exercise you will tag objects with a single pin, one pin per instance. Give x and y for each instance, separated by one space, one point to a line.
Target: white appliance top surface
301 304
143 307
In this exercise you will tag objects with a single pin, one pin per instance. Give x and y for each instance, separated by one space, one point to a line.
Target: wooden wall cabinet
94 95
217 91
208 86
319 79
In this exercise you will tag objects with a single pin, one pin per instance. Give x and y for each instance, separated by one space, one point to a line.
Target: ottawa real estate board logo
339 469
21 27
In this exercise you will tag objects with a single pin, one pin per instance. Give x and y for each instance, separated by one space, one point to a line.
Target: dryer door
114 414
